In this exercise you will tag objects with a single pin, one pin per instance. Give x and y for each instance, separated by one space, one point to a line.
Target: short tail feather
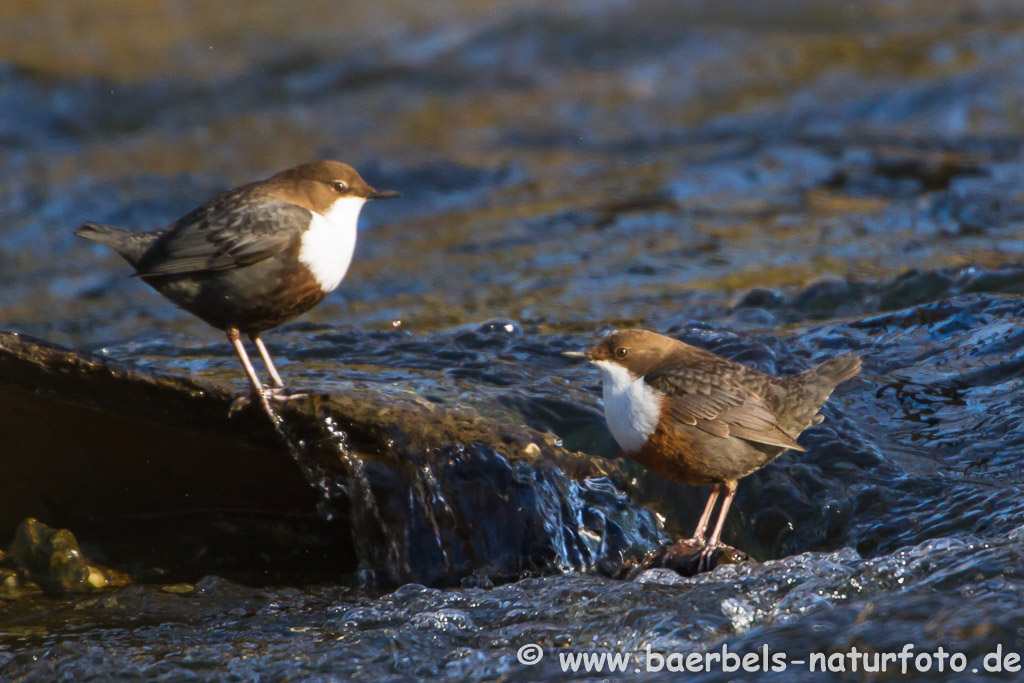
811 388
130 245
836 370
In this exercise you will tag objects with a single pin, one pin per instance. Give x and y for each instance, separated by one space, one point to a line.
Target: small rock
500 326
10 582
683 557
760 297
52 558
823 296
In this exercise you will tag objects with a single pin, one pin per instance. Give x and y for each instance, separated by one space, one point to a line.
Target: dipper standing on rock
700 419
254 257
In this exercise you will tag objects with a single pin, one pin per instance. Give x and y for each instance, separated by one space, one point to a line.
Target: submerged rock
154 471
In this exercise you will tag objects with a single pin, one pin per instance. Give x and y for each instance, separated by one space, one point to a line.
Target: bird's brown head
319 184
636 350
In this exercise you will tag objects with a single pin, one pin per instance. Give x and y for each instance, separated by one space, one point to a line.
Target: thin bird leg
709 550
730 491
274 377
254 381
702 525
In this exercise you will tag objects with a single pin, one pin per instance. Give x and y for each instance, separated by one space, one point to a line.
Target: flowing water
776 185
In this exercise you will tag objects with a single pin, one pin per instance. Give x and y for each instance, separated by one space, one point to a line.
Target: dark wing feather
225 234
715 401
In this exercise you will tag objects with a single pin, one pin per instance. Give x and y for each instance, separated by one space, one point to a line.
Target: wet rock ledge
157 479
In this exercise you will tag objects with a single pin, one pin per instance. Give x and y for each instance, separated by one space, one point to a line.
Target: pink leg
709 550
250 372
730 491
275 378
702 525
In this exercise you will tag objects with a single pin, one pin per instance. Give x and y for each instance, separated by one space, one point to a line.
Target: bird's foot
264 398
706 560
281 395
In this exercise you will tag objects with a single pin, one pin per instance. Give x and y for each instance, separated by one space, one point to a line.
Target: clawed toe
707 555
280 394
264 397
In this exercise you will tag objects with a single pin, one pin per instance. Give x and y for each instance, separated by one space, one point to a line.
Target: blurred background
562 162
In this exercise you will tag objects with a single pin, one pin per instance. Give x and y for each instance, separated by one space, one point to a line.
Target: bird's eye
340 185
621 351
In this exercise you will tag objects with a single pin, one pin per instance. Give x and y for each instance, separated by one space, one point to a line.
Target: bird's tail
836 370
130 245
809 389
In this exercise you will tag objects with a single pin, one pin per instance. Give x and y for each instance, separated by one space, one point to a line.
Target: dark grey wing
715 401
225 234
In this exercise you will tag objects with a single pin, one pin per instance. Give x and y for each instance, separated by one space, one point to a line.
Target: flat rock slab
154 470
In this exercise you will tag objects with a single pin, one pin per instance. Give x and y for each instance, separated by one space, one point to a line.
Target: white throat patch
328 244
631 407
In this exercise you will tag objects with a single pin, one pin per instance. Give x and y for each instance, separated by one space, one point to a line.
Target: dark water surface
776 185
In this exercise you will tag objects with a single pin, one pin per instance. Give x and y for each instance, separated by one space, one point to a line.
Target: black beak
576 355
383 194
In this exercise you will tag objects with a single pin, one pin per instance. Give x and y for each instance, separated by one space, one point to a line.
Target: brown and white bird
254 257
700 419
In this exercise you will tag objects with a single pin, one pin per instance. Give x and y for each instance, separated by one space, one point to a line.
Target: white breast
631 407
328 244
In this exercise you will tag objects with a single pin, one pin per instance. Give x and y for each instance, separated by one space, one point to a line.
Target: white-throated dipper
700 419
254 257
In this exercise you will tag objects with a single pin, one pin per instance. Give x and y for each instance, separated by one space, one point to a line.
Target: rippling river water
776 183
